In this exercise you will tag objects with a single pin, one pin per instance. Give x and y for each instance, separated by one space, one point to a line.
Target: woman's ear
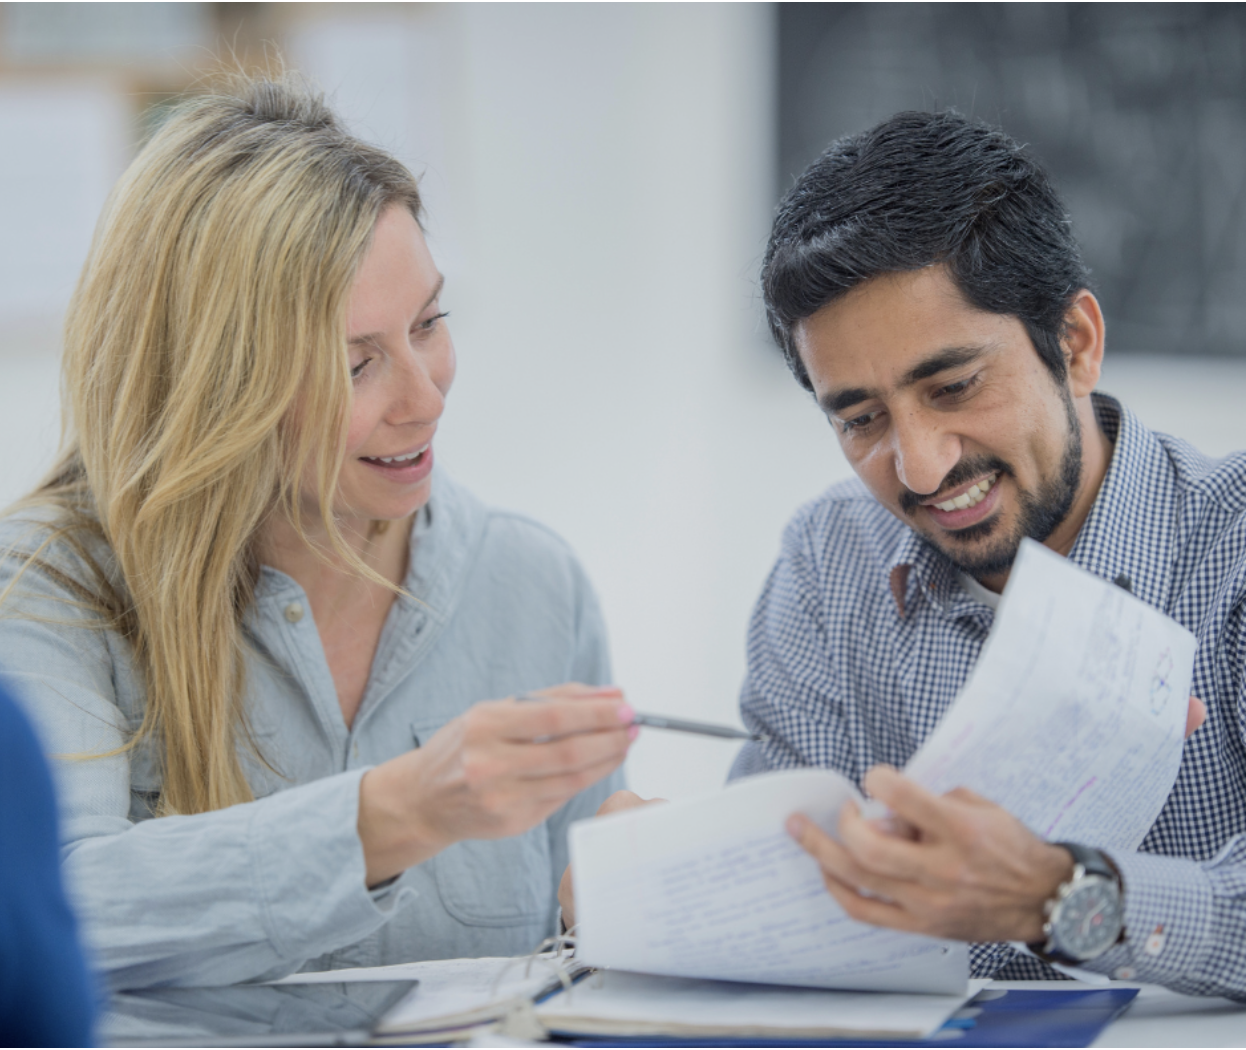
1082 343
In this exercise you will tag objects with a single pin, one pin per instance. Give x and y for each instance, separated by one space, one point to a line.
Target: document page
1074 717
1073 720
715 887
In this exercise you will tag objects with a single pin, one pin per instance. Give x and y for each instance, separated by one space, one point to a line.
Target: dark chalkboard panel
1137 110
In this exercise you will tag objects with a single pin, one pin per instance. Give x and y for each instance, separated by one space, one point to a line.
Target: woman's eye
432 322
357 370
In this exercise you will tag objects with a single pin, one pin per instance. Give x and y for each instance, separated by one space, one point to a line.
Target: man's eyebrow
835 402
941 361
372 337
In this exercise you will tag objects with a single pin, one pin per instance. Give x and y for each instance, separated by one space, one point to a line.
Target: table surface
1159 1017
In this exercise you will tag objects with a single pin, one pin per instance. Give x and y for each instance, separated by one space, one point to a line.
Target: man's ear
1083 343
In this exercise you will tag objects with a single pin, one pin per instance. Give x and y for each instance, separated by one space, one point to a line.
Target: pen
679 725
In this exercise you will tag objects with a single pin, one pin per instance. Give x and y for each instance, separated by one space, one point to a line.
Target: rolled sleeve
250 891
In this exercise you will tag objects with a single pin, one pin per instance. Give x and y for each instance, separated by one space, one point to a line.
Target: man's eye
955 391
857 422
357 371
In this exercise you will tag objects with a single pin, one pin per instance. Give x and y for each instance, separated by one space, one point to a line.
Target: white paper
615 1002
1074 718
715 887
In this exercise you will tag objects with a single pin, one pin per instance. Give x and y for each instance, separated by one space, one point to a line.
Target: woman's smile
403 468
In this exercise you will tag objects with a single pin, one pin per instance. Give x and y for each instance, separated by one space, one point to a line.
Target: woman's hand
620 800
497 770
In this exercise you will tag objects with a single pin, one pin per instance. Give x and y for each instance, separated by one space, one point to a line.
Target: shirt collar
1130 530
1133 524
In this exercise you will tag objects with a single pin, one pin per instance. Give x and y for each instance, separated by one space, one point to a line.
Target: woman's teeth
975 495
401 459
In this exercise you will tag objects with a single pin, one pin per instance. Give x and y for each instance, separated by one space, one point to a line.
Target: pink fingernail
633 732
795 825
625 713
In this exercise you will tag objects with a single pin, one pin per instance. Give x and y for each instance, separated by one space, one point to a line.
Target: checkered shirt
864 634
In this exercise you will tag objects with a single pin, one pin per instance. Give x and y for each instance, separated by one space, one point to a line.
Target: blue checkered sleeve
1185 923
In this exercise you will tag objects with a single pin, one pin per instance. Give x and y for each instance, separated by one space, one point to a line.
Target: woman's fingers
568 755
553 717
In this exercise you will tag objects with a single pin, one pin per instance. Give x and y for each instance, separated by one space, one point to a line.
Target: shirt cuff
309 874
1168 917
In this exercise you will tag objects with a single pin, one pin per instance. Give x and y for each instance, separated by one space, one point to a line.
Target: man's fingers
861 895
1196 715
907 798
833 858
870 910
622 800
878 853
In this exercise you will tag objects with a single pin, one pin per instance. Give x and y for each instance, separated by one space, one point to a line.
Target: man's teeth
975 495
403 459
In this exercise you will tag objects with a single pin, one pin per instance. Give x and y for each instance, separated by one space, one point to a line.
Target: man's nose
924 453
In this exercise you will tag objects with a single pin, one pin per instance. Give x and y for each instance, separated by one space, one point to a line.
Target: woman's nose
419 391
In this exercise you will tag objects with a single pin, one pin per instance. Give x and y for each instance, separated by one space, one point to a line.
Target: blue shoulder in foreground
47 997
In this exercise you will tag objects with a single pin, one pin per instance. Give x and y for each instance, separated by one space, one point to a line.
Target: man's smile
966 505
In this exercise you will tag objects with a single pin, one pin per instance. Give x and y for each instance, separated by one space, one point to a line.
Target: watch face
1088 921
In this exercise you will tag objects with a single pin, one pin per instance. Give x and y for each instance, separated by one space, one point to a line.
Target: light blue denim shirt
275 885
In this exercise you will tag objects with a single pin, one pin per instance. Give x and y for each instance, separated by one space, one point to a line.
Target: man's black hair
916 190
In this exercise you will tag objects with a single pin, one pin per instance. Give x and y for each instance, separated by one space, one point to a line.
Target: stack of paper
1073 720
615 1003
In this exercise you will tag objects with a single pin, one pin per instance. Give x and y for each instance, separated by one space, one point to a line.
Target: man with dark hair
923 283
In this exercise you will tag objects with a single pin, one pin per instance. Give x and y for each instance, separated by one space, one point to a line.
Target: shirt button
294 612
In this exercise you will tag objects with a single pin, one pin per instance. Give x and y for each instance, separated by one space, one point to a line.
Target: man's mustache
965 470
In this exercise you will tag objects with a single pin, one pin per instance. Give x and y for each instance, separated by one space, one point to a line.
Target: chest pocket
494 882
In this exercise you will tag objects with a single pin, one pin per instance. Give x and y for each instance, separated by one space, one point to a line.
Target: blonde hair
205 374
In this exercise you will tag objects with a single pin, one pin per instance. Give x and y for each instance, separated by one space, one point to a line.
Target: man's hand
966 868
617 802
1195 716
953 866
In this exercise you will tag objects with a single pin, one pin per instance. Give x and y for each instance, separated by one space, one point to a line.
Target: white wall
598 186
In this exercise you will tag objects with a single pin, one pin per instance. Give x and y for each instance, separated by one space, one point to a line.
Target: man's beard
1039 513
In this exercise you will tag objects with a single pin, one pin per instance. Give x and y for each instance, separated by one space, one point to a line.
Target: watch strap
1093 861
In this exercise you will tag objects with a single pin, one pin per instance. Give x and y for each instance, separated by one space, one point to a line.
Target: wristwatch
1086 916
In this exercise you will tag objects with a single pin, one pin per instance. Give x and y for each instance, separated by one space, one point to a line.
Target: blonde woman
250 618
